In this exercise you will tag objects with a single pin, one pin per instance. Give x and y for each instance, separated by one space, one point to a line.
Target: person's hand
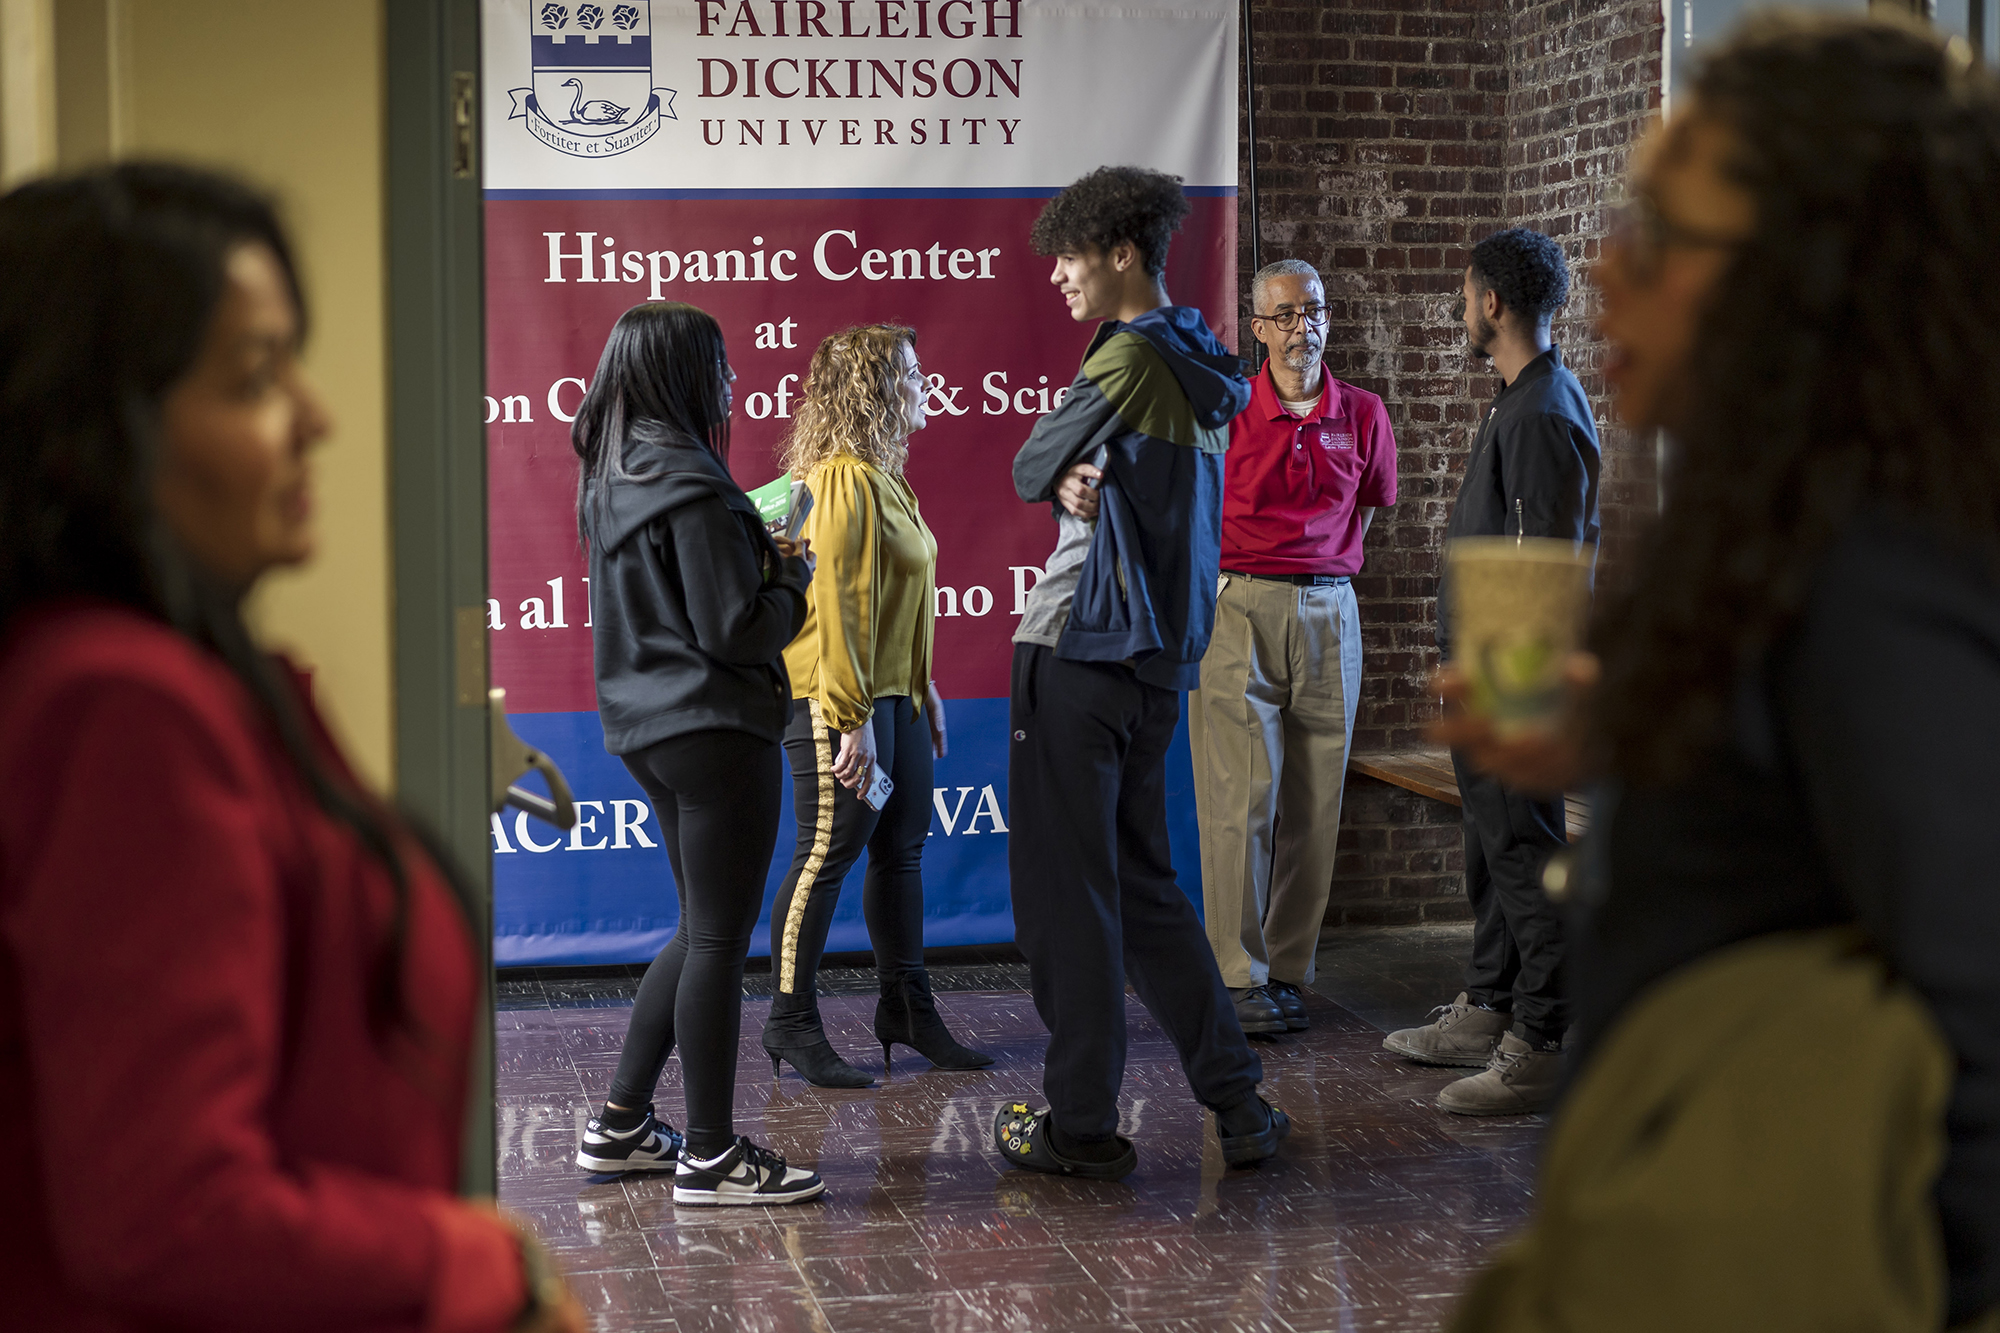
568 1317
855 764
558 1310
801 548
1078 490
934 712
1542 761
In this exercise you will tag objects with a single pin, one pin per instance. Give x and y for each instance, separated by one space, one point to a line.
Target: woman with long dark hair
1787 935
692 604
237 995
861 671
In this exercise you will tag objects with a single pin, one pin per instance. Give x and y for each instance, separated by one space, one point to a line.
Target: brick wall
1381 157
1401 858
1392 136
1584 76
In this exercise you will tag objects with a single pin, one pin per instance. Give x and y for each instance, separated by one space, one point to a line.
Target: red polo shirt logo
1335 439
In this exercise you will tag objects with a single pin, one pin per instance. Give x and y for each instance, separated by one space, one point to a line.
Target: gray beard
1300 362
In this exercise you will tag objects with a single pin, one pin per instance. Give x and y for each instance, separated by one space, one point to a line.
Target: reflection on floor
1371 1219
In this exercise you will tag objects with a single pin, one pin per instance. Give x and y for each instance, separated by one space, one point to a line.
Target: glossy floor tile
1374 1216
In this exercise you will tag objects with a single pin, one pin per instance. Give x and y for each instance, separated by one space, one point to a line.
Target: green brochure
773 500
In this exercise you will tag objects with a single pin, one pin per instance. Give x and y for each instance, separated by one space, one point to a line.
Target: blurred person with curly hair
1532 472
861 674
1784 1110
1130 465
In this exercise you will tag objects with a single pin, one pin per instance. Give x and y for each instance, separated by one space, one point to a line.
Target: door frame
437 449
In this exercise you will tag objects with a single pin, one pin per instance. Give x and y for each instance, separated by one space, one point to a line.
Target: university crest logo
593 93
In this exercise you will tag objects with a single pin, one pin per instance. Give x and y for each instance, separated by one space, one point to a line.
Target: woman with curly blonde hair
861 667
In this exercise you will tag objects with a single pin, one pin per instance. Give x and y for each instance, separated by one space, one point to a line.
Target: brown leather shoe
1461 1034
1518 1080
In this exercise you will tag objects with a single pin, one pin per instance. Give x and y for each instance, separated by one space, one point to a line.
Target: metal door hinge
464 124
469 650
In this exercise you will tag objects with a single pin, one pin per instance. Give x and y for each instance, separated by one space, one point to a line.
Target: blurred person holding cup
1784 1106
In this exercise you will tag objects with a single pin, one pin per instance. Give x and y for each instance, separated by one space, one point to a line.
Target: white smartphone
876 793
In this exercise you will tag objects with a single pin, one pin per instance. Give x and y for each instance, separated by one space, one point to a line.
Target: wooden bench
1428 772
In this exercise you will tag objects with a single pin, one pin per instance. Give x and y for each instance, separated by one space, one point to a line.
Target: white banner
845 94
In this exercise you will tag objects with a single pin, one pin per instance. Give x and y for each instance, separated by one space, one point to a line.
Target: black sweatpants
834 825
1095 898
1517 933
717 796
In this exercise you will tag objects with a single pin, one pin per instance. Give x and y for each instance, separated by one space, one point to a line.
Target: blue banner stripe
634 53
895 192
604 892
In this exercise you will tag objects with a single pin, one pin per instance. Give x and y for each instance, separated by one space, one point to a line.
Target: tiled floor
1372 1218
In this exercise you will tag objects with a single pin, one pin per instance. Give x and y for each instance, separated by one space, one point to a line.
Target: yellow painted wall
289 93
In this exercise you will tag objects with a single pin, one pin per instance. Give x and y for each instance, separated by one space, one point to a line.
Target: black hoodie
691 603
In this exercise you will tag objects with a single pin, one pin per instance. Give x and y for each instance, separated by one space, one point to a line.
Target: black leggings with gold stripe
834 826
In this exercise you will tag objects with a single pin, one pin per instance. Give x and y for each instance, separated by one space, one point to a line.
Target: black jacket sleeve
738 617
1549 465
1902 797
1063 438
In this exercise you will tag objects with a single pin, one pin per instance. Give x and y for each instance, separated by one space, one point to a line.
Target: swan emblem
598 112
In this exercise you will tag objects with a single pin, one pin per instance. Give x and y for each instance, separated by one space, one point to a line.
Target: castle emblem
592 93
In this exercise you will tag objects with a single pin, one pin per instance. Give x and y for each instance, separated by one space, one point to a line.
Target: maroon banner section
779 275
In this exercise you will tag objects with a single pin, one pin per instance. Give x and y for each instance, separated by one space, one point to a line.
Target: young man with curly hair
1532 472
1131 465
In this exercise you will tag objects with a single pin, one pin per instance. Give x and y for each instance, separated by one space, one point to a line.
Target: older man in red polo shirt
1309 462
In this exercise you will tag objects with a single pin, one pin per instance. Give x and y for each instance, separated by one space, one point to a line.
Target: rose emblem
554 16
626 17
590 16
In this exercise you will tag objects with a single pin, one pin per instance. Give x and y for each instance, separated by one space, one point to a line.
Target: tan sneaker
1517 1080
1462 1034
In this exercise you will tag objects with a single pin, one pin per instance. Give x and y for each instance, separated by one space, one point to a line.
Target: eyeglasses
1645 234
1287 320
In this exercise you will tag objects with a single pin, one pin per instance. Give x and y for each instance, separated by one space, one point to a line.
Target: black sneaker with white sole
652 1145
746 1174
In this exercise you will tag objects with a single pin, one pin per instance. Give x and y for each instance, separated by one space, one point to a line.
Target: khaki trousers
1270 728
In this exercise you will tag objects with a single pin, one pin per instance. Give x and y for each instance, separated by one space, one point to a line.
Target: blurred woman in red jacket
236 995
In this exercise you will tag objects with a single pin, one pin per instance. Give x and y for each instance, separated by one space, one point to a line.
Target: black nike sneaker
653 1145
745 1174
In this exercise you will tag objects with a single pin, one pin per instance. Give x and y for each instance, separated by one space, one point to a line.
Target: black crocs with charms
1022 1136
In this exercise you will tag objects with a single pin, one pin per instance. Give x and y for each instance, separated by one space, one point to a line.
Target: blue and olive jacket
1156 394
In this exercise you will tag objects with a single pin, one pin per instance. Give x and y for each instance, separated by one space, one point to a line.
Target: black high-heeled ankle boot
793 1034
818 1064
907 1014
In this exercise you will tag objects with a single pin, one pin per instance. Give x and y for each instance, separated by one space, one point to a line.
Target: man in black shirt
1532 472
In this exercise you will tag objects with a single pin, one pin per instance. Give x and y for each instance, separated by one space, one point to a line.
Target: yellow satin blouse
869 611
